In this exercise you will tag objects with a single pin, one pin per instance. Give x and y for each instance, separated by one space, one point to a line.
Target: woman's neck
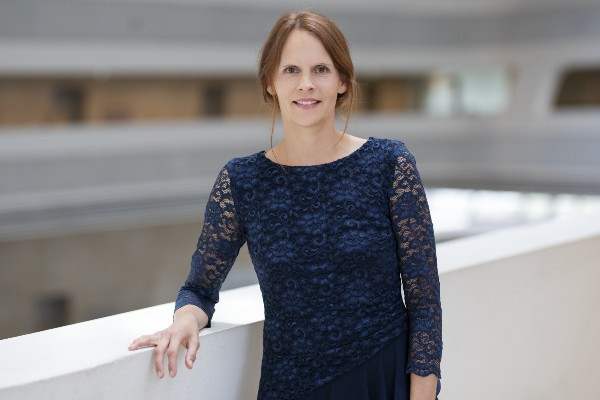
311 148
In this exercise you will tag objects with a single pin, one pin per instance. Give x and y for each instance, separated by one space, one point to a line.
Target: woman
335 225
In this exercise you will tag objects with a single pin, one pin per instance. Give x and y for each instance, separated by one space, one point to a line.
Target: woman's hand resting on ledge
188 320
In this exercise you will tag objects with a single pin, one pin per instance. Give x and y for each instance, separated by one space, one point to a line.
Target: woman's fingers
168 341
172 352
159 353
192 350
143 341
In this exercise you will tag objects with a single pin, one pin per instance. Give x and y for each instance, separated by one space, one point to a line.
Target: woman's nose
305 82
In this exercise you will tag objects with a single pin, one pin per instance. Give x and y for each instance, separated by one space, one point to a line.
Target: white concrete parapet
90 360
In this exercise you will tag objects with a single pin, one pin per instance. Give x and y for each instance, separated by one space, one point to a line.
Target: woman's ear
342 88
270 90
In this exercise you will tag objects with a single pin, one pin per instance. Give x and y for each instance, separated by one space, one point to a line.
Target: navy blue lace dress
332 246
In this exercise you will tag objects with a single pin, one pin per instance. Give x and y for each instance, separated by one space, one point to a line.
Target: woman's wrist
193 312
423 387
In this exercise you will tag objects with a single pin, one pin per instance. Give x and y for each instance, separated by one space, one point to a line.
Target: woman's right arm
218 246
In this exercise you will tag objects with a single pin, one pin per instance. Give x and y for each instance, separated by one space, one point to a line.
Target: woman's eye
321 69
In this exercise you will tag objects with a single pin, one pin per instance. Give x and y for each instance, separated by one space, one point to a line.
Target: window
213 98
67 103
466 91
472 91
579 88
484 91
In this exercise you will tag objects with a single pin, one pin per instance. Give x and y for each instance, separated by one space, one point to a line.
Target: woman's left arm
413 231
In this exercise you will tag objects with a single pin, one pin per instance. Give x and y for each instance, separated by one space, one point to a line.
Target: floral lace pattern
332 245
411 221
218 247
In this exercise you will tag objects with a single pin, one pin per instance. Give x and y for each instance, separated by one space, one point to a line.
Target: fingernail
171 374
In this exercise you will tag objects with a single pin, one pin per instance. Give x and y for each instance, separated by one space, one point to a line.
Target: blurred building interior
115 117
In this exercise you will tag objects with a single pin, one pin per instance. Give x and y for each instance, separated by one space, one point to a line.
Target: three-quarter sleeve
413 231
218 246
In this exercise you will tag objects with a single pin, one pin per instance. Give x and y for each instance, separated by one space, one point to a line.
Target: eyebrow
293 65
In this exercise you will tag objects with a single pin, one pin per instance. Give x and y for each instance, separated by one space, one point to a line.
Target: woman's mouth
307 105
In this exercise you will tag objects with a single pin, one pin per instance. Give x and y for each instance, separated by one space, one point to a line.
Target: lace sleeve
416 251
218 246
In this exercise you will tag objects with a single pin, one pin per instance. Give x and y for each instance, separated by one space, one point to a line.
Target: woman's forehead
303 41
305 58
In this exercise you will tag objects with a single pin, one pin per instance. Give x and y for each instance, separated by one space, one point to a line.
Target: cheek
330 86
284 84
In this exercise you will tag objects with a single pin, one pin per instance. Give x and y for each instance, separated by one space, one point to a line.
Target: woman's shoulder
391 148
389 143
244 165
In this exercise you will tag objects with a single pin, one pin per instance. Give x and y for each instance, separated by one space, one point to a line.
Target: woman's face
306 72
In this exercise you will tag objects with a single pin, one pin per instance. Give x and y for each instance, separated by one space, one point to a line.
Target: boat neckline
345 158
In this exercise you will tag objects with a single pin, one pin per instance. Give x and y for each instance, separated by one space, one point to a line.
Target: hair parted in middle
332 39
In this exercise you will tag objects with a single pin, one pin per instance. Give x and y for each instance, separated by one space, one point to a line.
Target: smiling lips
307 104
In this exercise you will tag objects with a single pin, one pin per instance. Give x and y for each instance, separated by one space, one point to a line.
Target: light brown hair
332 39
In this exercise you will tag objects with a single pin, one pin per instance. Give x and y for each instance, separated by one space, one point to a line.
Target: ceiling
460 7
